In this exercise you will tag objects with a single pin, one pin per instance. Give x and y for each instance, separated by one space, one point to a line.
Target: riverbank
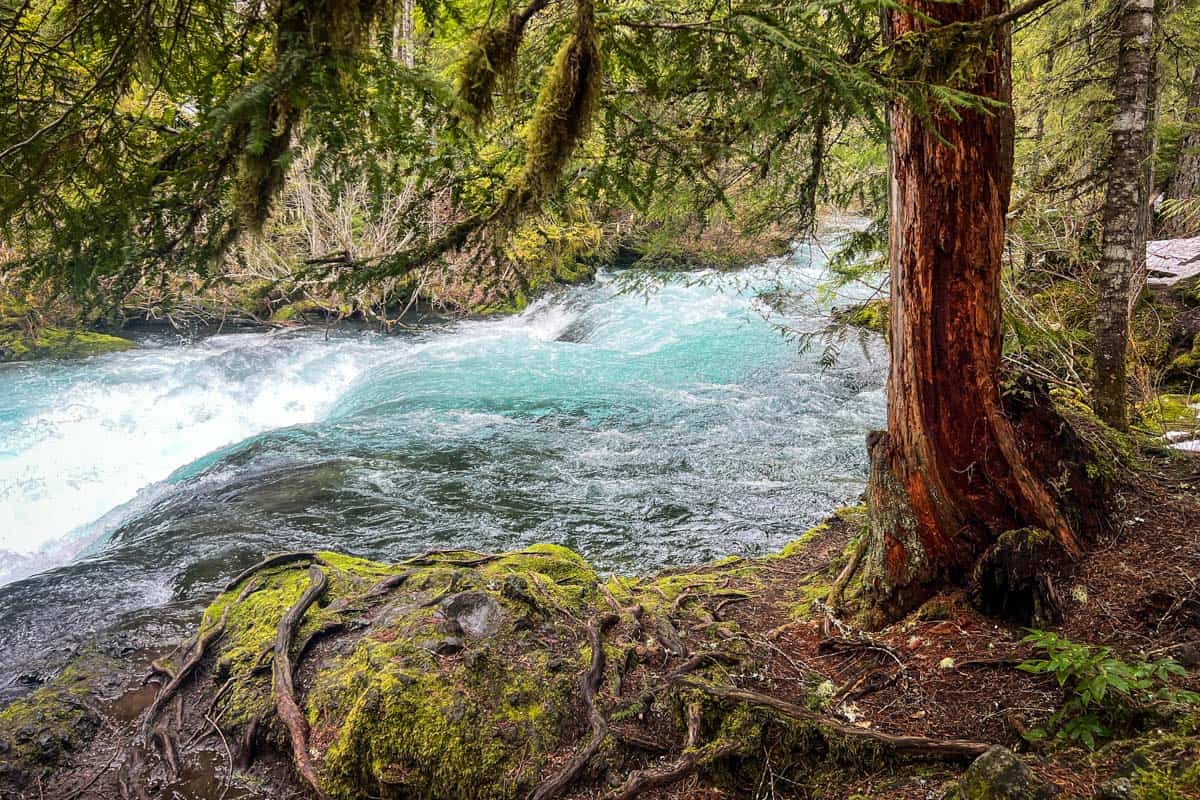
40 323
457 674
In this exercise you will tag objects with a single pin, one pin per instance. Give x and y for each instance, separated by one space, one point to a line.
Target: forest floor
945 672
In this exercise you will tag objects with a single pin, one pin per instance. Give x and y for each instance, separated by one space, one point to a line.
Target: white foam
104 430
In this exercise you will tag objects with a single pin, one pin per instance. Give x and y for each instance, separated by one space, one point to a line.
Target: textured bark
1185 182
1126 195
950 474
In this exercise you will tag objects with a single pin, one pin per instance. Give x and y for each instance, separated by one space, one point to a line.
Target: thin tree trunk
1185 182
1124 236
1145 220
403 45
950 474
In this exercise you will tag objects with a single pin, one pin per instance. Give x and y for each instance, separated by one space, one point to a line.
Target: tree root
279 559
388 584
285 692
949 749
834 601
643 780
195 654
589 686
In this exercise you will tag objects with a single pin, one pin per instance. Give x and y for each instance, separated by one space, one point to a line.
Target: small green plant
1104 693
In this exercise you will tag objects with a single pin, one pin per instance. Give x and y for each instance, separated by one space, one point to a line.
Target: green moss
1163 784
810 591
1170 412
482 731
39 729
15 345
290 312
1187 365
389 717
937 608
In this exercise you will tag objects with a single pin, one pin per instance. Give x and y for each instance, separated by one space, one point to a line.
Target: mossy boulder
459 680
1186 366
18 345
39 730
1170 412
999 774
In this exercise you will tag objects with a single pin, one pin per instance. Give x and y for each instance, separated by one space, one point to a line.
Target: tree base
905 562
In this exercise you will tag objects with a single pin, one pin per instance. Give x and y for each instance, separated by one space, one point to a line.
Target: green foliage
1104 694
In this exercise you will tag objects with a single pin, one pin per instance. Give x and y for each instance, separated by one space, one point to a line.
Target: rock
999 774
477 613
1186 653
517 588
449 646
1116 789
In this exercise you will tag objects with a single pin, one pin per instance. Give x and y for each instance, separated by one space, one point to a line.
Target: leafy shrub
1104 694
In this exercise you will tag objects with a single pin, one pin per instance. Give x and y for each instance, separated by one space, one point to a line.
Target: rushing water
641 431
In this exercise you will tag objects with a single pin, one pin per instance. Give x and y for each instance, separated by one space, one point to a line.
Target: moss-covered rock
1170 412
42 728
458 682
17 345
999 774
1186 366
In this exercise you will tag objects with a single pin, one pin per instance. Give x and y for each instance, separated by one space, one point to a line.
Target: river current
642 430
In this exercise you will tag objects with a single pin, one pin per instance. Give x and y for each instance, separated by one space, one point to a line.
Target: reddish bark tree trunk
951 473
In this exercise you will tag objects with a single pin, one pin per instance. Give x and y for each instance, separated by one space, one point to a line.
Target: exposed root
195 654
834 600
949 749
279 559
285 691
166 746
245 755
589 686
643 780
388 584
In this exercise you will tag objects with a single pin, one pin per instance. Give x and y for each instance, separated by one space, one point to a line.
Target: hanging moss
562 115
490 56
949 55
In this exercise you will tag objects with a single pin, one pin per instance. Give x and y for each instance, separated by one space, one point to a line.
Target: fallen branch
952 749
589 686
285 691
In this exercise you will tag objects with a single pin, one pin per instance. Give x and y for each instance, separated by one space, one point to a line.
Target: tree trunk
1185 182
1123 235
1145 220
403 33
951 473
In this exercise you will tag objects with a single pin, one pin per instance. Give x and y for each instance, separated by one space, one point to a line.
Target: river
642 430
